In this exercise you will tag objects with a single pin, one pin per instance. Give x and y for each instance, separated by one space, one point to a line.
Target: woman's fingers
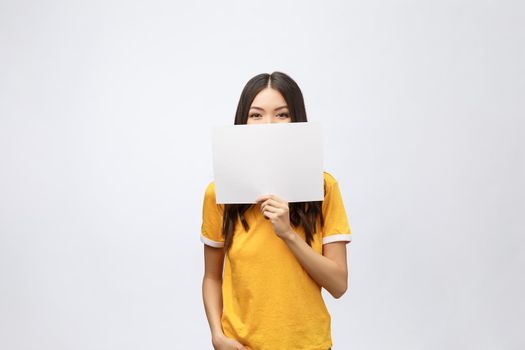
270 215
278 203
271 209
271 197
274 204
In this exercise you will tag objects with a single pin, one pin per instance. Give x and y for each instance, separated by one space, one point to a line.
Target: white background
106 110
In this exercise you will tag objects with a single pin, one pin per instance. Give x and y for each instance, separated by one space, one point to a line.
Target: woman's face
269 106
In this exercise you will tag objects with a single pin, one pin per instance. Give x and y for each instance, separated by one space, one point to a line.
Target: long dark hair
303 214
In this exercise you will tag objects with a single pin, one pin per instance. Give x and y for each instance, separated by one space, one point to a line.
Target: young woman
276 255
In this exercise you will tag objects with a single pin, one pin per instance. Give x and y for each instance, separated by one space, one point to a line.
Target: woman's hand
276 209
222 342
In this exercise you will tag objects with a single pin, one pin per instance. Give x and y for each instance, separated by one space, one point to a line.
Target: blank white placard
285 159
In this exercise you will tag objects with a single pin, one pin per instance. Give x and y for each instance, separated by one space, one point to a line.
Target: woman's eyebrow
262 109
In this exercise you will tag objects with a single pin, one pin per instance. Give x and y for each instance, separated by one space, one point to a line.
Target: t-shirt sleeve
211 228
336 227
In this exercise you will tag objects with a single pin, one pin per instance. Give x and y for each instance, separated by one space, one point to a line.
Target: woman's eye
255 115
283 115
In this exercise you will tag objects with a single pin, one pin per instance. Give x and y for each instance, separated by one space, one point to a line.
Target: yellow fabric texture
269 301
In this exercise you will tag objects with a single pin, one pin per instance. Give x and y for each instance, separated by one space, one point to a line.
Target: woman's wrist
216 338
289 235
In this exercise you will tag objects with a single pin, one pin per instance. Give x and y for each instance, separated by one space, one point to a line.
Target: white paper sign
284 159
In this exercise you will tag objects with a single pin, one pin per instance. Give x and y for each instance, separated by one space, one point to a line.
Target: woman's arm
212 288
329 270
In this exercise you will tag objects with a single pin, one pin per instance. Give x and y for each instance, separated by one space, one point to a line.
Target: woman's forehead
268 98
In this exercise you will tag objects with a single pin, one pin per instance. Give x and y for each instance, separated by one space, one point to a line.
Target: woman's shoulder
210 190
329 179
209 194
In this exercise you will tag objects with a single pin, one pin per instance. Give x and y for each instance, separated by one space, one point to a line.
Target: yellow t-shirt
269 301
